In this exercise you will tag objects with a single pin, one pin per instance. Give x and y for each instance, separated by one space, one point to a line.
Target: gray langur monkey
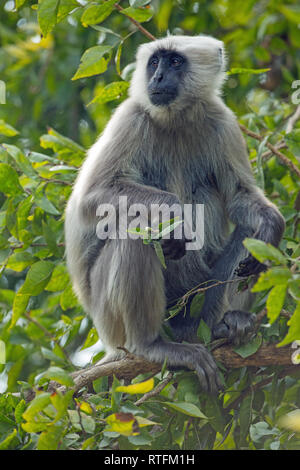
173 141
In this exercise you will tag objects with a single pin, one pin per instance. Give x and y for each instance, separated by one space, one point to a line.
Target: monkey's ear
222 57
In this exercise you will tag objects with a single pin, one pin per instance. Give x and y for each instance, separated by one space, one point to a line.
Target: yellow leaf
291 421
142 387
123 423
84 406
144 421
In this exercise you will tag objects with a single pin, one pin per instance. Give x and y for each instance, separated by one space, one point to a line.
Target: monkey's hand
173 248
249 266
237 326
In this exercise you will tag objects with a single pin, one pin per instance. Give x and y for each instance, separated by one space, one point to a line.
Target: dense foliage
64 66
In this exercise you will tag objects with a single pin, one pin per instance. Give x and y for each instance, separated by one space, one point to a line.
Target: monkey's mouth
161 97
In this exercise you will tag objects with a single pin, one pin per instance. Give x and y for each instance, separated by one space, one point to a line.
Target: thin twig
198 289
47 181
156 390
285 160
48 334
137 24
269 153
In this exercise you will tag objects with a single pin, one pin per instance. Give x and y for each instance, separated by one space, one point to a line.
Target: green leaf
90 442
58 375
197 304
51 356
250 348
9 180
51 239
68 299
93 62
23 163
7 296
118 58
35 426
138 3
20 261
245 415
65 7
186 408
291 12
47 15
275 301
294 288
6 129
204 332
139 14
7 443
111 92
237 70
19 307
293 141
87 422
50 439
37 278
23 212
273 277
19 410
260 177
44 203
19 3
294 327
94 14
169 226
264 251
68 150
91 339
40 402
59 279
159 252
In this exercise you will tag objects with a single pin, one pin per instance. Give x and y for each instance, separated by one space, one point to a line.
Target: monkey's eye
176 61
154 62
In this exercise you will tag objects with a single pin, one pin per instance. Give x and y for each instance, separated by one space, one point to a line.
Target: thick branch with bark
131 366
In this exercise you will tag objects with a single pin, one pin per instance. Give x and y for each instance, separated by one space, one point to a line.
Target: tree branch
137 24
131 366
285 160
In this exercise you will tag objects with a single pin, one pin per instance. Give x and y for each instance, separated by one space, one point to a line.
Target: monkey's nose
158 76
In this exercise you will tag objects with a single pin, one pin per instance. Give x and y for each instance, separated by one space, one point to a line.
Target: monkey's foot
199 359
237 326
187 356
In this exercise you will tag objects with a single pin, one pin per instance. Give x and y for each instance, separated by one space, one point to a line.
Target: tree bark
131 366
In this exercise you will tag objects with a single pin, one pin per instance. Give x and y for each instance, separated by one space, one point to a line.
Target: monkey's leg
127 289
223 319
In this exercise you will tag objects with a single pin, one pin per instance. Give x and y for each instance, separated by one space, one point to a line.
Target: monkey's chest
191 183
182 164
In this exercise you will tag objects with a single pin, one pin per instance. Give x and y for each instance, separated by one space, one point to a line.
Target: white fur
205 76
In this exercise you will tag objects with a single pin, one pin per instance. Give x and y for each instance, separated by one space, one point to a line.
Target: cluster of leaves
42 325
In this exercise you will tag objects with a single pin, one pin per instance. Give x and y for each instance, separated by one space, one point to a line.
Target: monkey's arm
254 216
246 204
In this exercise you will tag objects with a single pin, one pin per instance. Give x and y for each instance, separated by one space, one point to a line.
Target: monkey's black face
165 72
